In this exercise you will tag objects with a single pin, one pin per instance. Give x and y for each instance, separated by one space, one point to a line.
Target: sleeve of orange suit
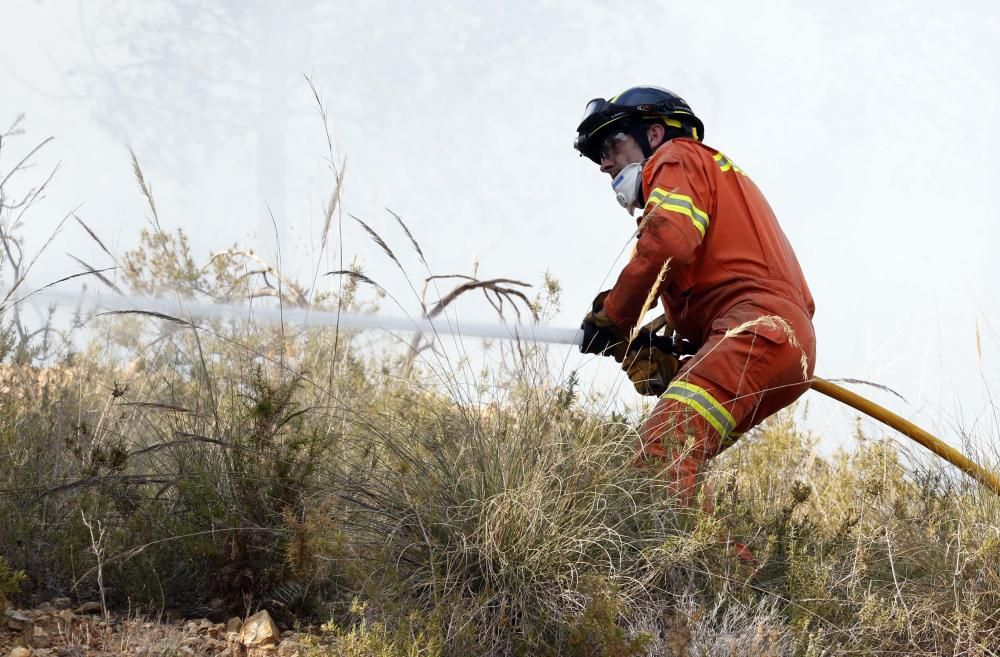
672 228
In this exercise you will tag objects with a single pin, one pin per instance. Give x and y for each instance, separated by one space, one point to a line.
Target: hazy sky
871 128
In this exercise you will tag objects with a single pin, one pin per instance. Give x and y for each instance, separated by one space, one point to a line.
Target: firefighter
711 248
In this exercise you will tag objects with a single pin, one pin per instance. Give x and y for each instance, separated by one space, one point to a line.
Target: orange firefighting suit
733 287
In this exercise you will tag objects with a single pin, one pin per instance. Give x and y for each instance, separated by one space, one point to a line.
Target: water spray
190 311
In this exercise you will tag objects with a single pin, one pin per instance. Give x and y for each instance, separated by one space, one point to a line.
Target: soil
59 629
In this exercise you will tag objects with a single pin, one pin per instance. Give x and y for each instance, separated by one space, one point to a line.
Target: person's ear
655 134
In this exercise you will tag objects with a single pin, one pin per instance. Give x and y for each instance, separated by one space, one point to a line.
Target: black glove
600 334
683 346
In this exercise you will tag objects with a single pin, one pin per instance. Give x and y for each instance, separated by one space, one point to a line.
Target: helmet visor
598 114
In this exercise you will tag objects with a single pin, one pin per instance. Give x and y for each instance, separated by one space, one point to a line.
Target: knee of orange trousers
678 440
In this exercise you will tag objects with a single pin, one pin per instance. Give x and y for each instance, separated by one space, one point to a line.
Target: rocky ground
59 629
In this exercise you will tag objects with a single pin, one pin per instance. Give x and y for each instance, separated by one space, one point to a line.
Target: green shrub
10 582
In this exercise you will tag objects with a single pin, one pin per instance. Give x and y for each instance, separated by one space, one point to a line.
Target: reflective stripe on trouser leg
704 404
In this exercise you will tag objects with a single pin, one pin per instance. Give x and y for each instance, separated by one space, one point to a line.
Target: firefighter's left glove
600 334
649 367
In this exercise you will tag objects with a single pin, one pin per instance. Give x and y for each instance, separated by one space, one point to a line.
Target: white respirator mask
628 186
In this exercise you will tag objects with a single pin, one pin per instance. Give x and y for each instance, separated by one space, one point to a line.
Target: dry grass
321 481
449 510
651 298
774 321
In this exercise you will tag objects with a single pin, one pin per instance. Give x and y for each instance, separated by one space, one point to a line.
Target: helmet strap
638 129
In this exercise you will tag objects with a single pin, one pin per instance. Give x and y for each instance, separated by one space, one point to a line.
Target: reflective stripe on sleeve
705 404
726 164
661 198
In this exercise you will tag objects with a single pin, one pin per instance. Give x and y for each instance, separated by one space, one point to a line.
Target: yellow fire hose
907 428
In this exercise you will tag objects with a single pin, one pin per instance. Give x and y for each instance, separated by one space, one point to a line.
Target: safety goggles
610 143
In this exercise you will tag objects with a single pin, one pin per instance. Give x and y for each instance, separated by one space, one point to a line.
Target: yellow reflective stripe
705 404
673 123
726 164
722 161
681 204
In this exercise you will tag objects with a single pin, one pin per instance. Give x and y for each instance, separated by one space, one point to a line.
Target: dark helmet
629 112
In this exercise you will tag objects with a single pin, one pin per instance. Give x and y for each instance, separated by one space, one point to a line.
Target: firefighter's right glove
600 334
649 367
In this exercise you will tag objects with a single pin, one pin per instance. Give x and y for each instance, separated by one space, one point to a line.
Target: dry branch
501 288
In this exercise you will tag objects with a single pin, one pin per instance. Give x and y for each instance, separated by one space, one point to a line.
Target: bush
220 467
10 582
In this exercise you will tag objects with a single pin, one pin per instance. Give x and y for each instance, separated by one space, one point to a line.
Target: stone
19 621
89 608
61 603
39 637
259 630
288 648
66 616
20 651
234 625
